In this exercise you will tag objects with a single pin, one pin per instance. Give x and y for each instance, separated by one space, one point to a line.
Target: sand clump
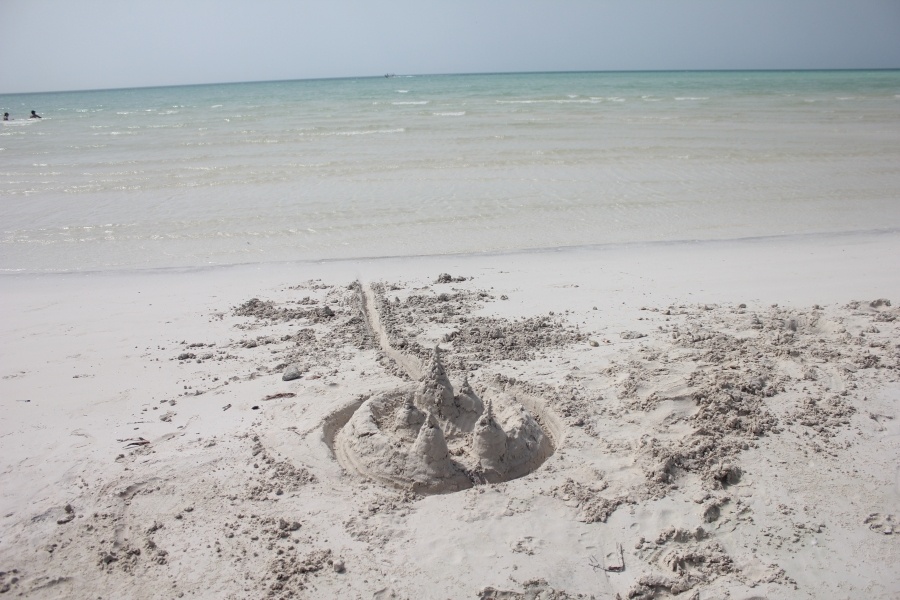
474 339
687 559
292 572
275 476
592 506
269 311
885 524
533 589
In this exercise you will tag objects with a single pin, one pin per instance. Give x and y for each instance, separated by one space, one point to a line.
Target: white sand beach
721 418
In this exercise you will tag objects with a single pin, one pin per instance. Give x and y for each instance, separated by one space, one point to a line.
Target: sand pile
437 437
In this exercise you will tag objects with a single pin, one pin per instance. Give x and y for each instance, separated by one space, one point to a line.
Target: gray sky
48 45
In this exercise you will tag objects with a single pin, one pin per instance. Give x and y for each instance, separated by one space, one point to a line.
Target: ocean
194 176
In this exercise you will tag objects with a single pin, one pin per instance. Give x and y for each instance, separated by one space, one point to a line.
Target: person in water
34 115
6 116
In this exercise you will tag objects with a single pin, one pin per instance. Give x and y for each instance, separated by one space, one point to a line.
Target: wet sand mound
436 437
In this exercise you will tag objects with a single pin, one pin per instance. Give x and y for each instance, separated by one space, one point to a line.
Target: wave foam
554 101
368 132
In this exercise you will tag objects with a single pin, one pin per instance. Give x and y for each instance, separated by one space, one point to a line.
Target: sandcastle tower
455 412
429 458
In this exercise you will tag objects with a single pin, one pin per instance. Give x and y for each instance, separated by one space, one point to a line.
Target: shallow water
308 170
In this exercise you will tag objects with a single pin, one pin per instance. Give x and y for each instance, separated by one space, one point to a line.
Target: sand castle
436 437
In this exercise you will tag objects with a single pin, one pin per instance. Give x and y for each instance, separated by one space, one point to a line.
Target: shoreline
227 500
808 237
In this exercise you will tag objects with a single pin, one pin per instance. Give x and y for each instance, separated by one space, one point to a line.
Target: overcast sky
49 45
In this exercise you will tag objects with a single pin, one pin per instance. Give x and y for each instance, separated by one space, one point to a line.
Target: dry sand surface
715 420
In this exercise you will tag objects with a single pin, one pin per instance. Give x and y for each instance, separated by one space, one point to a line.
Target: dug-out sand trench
438 436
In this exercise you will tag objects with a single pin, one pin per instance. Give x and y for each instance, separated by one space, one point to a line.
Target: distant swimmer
34 115
6 116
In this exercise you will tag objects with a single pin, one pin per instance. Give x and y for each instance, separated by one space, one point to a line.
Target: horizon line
473 73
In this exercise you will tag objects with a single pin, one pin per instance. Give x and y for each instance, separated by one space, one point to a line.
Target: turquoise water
307 170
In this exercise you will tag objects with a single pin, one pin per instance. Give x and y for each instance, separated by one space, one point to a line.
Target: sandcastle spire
435 392
408 419
430 442
489 443
430 457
